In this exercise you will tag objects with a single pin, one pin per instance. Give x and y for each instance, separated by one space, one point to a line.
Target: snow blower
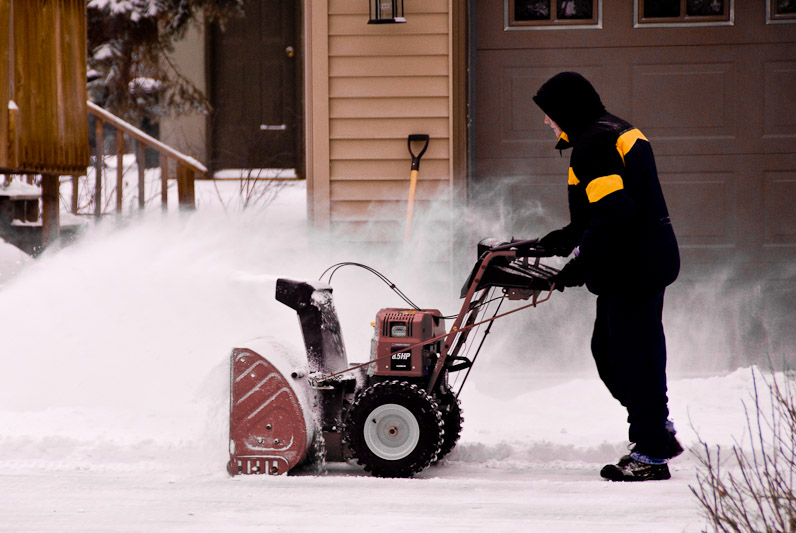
398 412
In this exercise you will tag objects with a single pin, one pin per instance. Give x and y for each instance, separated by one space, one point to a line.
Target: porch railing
187 168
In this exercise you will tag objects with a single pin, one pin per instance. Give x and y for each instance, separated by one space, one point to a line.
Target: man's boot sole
614 473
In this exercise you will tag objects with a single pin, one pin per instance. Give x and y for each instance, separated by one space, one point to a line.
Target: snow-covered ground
113 394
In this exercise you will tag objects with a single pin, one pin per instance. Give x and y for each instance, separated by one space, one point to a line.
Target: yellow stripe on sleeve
626 141
601 187
572 179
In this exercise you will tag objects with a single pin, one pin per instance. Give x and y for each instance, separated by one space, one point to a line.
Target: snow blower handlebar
523 248
496 268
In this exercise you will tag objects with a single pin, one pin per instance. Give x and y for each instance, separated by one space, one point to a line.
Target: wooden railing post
98 142
164 182
119 170
75 194
185 187
141 159
50 223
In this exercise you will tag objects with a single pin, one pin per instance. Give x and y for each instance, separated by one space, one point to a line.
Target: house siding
382 83
188 133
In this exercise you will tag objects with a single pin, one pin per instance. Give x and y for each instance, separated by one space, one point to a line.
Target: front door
255 122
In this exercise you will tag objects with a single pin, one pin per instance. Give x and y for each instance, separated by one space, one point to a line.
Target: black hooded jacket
618 216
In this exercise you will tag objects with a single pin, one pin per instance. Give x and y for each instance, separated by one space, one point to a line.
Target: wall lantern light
386 11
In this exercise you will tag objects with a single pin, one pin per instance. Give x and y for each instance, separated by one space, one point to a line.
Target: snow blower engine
398 412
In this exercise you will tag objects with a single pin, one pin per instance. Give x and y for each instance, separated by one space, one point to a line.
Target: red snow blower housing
396 413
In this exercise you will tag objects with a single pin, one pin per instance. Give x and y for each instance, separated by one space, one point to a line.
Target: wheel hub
392 431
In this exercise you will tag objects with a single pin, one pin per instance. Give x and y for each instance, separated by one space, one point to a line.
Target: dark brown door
255 122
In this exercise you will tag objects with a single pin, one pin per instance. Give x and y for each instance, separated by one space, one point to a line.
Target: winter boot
630 469
675 448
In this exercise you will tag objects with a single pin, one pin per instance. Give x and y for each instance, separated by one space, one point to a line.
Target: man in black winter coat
626 253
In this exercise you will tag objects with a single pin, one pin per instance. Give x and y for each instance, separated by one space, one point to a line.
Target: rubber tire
452 419
419 404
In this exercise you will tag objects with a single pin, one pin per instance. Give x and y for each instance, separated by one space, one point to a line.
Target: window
781 11
552 14
658 13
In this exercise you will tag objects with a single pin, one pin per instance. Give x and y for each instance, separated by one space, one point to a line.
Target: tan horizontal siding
367 231
389 190
383 210
388 87
386 82
368 210
388 45
427 23
411 7
352 170
381 231
387 128
428 65
388 107
381 149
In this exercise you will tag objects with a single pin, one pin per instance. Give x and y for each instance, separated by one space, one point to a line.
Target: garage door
712 84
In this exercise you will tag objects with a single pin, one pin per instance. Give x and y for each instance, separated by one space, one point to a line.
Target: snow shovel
410 209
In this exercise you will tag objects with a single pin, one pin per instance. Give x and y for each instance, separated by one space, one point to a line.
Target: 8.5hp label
401 361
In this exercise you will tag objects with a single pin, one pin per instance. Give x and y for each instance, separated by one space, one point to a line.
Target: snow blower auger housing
395 414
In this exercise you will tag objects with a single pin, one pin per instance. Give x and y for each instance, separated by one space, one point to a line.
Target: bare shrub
754 490
256 187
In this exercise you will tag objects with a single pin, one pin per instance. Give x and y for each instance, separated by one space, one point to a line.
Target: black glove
572 275
557 242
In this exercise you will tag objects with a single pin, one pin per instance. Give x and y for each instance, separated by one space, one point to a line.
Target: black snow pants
629 348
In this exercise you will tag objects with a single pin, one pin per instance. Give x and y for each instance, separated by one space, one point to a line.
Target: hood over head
570 101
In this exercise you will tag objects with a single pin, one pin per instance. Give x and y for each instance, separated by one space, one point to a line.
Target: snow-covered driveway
114 387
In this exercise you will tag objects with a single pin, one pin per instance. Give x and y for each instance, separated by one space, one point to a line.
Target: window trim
685 21
772 17
512 25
